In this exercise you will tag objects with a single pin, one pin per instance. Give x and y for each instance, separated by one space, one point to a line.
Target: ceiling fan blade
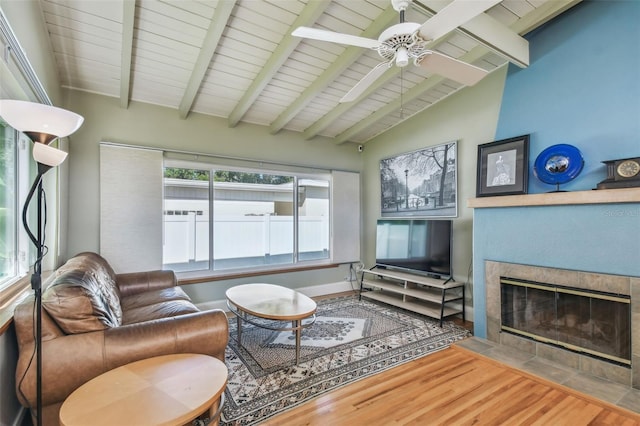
366 81
454 69
452 16
324 35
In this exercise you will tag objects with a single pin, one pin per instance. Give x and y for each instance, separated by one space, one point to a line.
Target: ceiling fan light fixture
409 40
400 5
402 57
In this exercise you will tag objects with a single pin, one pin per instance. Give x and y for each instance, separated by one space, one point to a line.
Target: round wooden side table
164 390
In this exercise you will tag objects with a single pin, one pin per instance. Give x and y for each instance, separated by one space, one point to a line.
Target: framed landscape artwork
421 183
503 167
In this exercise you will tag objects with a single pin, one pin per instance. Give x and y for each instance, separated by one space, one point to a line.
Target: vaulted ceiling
237 59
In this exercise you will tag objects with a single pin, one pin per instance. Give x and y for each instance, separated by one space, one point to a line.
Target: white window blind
346 216
131 207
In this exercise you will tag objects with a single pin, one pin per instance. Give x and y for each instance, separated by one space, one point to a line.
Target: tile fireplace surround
629 286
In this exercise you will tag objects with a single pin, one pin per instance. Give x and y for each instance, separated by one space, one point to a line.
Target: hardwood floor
455 387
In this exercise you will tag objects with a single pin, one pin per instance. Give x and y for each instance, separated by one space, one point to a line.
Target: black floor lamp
42 124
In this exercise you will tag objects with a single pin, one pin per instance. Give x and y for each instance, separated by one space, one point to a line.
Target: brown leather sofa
94 320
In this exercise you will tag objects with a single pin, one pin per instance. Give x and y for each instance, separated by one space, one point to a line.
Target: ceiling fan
407 40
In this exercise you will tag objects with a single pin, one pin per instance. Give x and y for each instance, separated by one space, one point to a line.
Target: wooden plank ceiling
236 59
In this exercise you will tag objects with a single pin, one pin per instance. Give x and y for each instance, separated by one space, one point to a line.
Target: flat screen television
421 246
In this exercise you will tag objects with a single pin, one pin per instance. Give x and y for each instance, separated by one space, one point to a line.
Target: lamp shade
48 155
42 123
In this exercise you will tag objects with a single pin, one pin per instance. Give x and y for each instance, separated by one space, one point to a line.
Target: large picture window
223 219
197 213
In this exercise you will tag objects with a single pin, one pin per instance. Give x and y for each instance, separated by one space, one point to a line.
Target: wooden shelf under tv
418 293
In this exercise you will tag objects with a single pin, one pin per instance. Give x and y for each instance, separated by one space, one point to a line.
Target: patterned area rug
350 340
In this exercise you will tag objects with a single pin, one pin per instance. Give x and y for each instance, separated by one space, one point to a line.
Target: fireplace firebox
585 321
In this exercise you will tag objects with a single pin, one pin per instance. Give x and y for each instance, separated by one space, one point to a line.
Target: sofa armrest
139 282
205 332
72 360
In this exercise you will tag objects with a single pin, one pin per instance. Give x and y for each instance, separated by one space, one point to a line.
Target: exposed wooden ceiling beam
415 92
496 36
128 19
501 39
542 15
504 40
209 45
348 57
310 13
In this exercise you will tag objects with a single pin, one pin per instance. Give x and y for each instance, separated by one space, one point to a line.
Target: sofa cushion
170 308
102 274
152 297
76 304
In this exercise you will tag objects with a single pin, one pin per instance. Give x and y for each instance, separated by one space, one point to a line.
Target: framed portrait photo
503 167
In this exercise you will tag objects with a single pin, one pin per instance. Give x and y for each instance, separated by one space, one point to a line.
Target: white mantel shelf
601 196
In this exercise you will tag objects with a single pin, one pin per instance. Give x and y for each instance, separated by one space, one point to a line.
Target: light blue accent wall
565 237
582 88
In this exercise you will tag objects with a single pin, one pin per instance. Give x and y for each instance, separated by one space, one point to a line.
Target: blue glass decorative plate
558 164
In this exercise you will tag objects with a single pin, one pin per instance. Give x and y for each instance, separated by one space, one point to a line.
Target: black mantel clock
623 173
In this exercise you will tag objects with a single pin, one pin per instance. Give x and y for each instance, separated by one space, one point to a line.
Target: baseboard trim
311 291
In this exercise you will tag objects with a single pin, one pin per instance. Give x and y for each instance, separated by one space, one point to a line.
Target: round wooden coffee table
164 390
272 302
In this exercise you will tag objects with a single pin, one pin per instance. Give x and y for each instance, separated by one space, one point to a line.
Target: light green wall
469 117
27 22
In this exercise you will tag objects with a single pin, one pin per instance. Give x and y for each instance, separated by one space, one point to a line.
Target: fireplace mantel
601 196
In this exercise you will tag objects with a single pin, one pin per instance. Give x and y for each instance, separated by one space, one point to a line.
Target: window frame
23 250
21 82
297 176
